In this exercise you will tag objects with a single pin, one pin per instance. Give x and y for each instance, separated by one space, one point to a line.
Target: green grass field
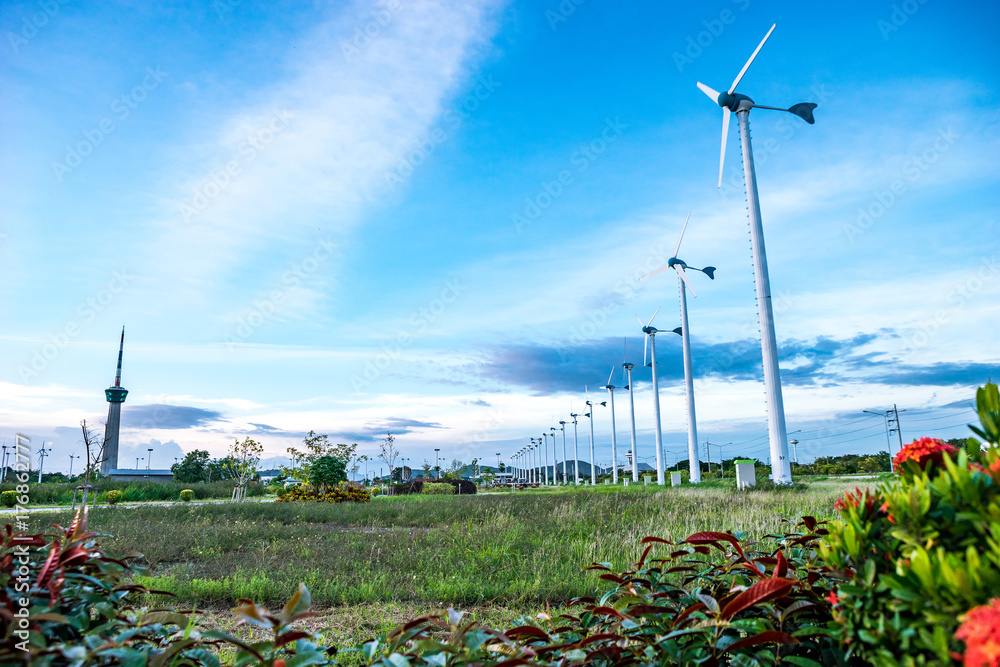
370 566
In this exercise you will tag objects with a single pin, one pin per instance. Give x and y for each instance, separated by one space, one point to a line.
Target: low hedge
438 489
345 492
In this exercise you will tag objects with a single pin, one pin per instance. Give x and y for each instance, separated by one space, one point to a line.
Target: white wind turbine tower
694 464
614 438
593 468
631 406
562 427
576 451
650 332
555 458
543 442
731 101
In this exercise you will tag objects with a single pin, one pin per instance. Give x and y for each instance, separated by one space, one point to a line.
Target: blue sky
437 228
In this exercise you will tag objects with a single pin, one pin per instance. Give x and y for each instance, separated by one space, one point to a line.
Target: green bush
62 494
187 495
438 489
8 498
113 496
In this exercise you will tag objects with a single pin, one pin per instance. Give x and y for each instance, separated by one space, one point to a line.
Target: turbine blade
743 71
638 320
610 374
653 273
725 134
684 279
652 318
680 238
714 94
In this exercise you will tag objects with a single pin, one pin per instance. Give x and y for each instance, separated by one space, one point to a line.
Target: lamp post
150 459
437 465
71 457
137 459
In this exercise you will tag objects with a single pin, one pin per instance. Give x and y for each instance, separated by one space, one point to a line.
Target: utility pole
3 461
897 429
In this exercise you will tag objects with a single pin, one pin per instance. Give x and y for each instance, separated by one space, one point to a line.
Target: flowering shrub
980 630
438 489
919 553
344 492
113 497
187 495
8 498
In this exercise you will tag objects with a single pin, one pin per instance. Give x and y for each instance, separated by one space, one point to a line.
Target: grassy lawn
369 566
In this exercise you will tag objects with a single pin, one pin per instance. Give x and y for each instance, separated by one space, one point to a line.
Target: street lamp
137 459
71 457
437 466
3 461
150 459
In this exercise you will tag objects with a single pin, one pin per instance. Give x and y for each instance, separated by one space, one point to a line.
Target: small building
140 475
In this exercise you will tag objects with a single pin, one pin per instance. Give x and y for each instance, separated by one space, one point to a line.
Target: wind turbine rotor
736 81
680 238
683 277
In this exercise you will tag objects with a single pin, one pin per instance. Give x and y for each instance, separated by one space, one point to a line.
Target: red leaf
645 552
809 522
762 591
610 611
781 569
612 577
596 638
698 606
766 637
290 636
713 538
527 631
651 539
50 565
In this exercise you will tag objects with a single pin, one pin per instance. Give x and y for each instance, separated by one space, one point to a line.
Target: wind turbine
631 406
694 465
614 438
576 452
543 442
562 427
590 404
650 332
555 457
731 101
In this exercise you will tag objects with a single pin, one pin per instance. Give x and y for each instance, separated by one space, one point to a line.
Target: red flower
980 630
923 452
832 598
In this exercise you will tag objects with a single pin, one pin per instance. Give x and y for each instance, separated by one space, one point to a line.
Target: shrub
752 607
113 496
345 492
187 495
8 498
85 611
438 489
920 552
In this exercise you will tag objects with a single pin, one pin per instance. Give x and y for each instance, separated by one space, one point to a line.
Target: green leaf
804 662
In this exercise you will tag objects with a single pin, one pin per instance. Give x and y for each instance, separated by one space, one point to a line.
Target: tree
388 452
241 464
316 446
427 469
193 468
327 471
402 474
95 457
